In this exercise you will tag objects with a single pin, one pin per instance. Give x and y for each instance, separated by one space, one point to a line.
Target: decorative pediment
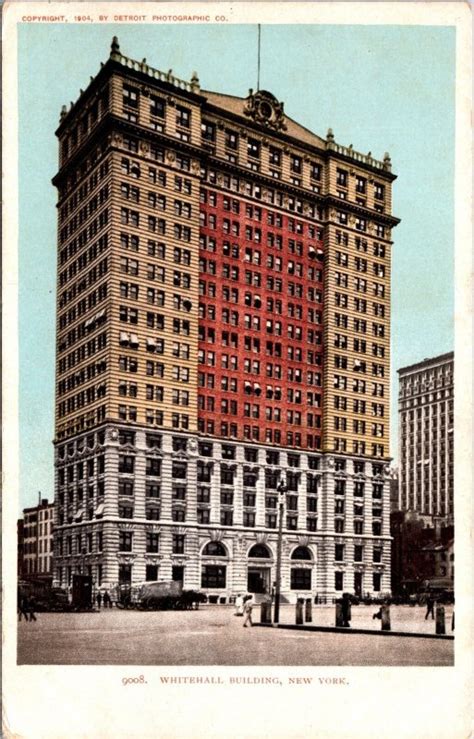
263 107
127 527
153 528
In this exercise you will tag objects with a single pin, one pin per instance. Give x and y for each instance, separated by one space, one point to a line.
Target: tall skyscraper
426 421
223 329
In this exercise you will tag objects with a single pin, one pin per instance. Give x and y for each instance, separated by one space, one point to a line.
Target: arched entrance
259 569
214 558
301 569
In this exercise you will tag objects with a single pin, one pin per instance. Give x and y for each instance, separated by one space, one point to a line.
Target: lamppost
282 488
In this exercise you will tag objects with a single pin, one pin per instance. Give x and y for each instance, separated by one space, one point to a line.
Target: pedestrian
346 609
239 605
378 614
30 609
248 605
22 611
107 601
99 599
430 604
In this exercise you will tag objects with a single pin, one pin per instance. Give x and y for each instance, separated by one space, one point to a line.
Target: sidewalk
404 619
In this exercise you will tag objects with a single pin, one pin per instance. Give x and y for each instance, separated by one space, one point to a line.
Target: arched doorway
259 569
214 557
302 561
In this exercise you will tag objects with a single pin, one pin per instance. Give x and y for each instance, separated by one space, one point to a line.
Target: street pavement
214 636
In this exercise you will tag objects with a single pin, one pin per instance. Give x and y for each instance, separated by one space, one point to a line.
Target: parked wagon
159 595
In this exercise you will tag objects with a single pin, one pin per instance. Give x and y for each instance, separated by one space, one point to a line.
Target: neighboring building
394 490
439 556
422 550
20 548
426 428
35 540
223 324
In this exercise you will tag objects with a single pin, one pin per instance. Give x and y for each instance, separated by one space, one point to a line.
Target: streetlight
282 488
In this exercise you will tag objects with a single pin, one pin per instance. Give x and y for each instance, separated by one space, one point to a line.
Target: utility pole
282 488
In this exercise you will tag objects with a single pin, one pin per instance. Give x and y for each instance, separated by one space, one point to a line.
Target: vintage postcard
237 397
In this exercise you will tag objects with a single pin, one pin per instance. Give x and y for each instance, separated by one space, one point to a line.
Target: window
339 552
339 581
253 148
151 573
178 543
231 139
125 541
379 191
361 184
341 178
300 579
377 581
213 576
208 131
126 464
130 97
377 555
183 117
152 543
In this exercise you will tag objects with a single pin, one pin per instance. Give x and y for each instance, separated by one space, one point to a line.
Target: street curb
350 630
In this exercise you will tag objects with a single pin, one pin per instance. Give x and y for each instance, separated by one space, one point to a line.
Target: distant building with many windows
35 541
223 320
426 430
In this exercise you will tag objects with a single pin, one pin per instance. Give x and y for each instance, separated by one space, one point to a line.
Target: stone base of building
165 506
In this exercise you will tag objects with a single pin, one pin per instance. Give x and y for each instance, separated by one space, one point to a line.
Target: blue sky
381 88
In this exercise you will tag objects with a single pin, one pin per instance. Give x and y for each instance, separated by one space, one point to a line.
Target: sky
380 88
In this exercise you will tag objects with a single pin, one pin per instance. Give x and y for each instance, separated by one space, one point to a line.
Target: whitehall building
223 327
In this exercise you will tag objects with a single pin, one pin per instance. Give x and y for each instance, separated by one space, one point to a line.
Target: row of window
271 305
359 447
86 188
81 422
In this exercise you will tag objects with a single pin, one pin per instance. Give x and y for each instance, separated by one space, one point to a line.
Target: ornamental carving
153 528
126 559
192 446
263 107
216 534
113 434
126 527
170 156
144 146
303 541
118 138
261 538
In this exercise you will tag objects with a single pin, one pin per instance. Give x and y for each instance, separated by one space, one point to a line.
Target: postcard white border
402 702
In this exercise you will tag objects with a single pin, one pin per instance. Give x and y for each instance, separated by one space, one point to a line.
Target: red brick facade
261 351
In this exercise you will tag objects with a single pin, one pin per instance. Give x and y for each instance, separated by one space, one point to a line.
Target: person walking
99 599
248 605
430 604
107 601
239 605
22 611
29 609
